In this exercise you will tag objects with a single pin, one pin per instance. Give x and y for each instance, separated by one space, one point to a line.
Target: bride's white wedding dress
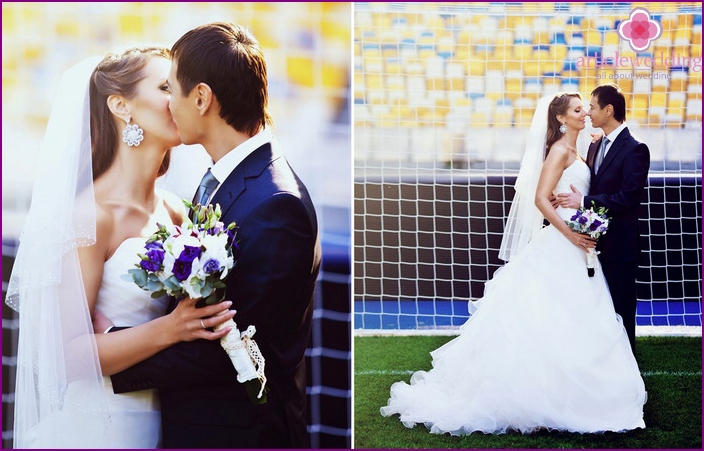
134 418
543 349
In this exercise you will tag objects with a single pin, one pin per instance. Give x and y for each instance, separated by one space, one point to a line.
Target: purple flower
182 269
156 258
582 220
595 225
216 229
211 266
189 253
149 265
154 245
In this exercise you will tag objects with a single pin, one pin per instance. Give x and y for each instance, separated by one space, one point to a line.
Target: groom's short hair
227 58
611 94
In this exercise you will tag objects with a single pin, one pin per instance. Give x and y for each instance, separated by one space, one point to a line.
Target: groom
219 95
619 171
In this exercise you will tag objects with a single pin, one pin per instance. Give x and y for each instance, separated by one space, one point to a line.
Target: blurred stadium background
308 51
443 97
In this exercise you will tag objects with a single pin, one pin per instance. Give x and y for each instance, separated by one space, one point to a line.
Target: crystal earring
132 134
563 128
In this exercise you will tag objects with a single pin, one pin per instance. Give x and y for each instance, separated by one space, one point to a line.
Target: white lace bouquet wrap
244 354
193 260
594 223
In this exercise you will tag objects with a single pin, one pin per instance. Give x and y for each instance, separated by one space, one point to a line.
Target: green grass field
671 368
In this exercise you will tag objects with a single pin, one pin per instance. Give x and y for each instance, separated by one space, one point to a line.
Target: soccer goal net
443 97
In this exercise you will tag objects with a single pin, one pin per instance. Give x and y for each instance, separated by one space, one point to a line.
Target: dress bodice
123 301
578 175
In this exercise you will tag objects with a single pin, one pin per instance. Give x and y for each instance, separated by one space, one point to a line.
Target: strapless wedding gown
543 349
135 416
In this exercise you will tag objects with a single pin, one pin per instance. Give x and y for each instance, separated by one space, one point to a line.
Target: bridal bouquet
593 222
193 260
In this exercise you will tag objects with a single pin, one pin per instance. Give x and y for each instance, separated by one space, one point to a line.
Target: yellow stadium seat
375 96
676 101
660 81
593 38
678 81
392 66
558 52
694 110
611 37
479 119
374 81
455 73
523 110
626 83
413 66
503 116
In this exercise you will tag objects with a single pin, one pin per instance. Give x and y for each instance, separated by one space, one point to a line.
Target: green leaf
155 285
171 283
158 294
139 276
207 290
214 298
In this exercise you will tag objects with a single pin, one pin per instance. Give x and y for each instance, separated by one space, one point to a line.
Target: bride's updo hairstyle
559 105
117 73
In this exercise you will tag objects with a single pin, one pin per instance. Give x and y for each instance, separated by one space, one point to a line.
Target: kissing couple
101 364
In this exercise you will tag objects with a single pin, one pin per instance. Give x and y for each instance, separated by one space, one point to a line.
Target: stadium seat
523 110
660 80
694 110
494 84
678 79
514 84
675 110
503 114
475 85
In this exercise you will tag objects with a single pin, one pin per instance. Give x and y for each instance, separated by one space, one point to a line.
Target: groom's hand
101 323
553 201
570 200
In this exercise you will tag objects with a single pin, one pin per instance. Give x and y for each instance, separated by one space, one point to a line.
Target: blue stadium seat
558 38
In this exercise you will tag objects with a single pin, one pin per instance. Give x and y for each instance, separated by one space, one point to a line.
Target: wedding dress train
543 349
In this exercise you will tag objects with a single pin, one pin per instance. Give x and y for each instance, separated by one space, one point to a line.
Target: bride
544 347
94 203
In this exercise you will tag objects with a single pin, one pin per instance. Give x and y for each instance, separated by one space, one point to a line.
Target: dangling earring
563 128
132 134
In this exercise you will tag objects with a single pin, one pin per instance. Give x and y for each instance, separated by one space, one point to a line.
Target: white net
444 94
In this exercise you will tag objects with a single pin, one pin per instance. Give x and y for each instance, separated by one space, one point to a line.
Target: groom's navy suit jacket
271 286
619 186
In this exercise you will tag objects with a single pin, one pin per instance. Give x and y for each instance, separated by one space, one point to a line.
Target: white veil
59 381
524 218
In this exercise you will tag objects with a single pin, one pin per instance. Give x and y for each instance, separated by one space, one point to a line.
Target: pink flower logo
640 30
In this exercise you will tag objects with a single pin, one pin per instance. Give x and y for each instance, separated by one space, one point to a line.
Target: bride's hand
190 323
582 241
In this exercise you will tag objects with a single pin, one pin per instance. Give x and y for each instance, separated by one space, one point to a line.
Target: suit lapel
613 151
252 166
590 156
